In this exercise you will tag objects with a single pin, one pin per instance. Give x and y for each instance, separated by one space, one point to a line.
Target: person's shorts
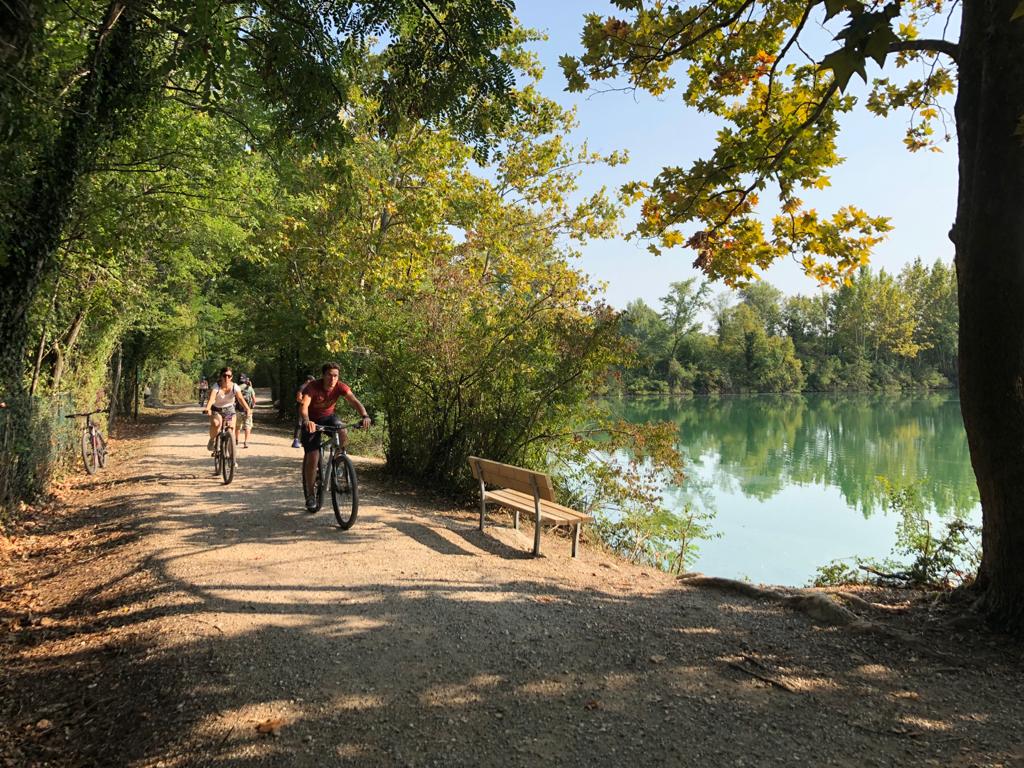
248 421
227 412
311 440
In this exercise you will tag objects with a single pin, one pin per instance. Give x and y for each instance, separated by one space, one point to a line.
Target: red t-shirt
321 402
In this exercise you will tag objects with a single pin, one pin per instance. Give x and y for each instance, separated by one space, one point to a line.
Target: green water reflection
791 475
766 443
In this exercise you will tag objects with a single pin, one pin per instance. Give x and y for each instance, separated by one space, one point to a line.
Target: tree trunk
115 385
989 239
63 350
20 20
41 349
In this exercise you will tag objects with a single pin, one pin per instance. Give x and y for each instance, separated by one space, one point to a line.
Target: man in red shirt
317 407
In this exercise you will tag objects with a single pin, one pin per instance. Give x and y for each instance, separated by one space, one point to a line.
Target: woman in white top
221 403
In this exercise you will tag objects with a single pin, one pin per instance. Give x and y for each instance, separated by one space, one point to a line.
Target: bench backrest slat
508 476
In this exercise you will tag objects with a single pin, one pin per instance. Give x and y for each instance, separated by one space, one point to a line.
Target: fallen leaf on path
657 658
272 726
592 704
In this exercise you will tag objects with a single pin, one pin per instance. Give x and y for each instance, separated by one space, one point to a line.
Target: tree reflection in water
761 444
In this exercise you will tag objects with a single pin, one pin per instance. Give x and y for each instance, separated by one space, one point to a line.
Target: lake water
794 478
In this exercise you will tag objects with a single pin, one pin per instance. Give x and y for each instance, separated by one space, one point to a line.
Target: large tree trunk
989 239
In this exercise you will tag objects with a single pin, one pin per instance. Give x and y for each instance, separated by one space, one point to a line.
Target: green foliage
838 573
622 474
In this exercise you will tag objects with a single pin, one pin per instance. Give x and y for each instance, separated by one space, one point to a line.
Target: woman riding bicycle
220 404
317 408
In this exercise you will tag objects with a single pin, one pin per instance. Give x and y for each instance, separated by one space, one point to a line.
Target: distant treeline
879 332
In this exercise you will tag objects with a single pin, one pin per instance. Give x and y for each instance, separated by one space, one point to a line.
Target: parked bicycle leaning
94 446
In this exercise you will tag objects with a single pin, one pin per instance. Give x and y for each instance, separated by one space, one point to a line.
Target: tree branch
928 46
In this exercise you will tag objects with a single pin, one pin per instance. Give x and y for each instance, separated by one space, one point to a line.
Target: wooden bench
523 490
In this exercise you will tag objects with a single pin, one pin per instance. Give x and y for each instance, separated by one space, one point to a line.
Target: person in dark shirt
317 408
298 399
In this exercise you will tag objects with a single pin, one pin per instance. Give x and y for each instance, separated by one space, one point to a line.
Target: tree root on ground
822 609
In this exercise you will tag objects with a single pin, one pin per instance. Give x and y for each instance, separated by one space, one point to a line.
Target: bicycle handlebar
90 413
353 425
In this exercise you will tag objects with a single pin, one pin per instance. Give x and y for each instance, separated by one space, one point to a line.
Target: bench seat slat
525 503
548 509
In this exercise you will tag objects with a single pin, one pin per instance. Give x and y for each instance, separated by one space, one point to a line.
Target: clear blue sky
918 191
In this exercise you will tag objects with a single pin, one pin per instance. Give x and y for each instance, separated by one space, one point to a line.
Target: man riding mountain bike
317 408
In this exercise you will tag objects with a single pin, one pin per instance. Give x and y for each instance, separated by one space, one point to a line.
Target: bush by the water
925 554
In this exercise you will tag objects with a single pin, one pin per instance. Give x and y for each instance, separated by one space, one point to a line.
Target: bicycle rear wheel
344 491
227 448
89 453
101 449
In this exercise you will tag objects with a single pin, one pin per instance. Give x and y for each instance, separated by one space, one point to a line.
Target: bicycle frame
224 449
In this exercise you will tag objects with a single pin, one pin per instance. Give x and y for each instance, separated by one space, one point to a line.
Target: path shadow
430 538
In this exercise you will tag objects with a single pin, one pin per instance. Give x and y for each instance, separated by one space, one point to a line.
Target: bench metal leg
536 518
536 534
515 519
483 491
575 538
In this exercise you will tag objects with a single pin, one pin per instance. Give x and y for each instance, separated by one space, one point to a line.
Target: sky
916 190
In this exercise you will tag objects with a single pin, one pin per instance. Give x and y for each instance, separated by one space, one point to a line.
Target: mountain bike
337 473
94 447
224 450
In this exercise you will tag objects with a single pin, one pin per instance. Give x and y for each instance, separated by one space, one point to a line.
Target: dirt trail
161 618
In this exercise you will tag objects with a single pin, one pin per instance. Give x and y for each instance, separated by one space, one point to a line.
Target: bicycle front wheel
322 477
89 453
344 491
227 465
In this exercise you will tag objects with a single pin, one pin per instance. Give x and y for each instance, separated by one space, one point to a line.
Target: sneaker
311 503
296 443
236 463
245 445
212 444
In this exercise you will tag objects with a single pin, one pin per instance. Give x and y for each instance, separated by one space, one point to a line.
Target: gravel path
224 626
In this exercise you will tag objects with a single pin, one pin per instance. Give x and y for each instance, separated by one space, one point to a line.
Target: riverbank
156 617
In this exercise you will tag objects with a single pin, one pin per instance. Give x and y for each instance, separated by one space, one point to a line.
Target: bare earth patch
151 616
